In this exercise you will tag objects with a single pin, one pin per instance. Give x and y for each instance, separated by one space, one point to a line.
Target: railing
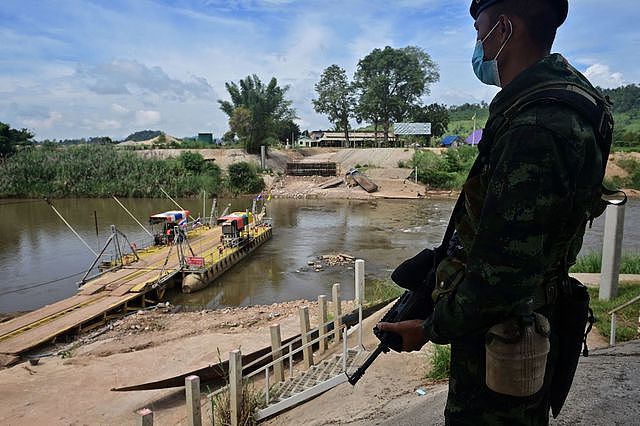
291 352
612 336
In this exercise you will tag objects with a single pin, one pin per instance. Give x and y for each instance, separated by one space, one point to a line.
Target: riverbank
74 386
381 165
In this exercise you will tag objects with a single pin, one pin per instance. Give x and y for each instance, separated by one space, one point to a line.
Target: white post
322 304
612 335
337 311
276 342
305 327
204 205
235 385
611 251
263 157
360 296
192 390
146 417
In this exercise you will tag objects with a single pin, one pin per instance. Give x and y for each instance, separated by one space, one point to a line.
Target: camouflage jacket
526 210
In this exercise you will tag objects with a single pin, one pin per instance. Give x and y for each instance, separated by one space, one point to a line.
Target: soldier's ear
505 28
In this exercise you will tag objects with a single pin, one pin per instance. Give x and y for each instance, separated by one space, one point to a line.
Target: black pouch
419 271
572 315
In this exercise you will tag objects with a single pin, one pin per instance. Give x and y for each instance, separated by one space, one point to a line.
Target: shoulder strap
590 105
457 209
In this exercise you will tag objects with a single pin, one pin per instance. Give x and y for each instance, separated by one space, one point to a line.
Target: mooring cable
70 227
30 286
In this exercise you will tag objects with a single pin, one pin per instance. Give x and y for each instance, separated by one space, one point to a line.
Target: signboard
195 261
412 128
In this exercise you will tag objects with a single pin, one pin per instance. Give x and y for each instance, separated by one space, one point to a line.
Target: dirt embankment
381 165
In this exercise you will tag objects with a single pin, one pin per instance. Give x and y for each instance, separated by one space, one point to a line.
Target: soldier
540 174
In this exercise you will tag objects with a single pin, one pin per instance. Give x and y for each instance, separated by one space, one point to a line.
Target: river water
41 260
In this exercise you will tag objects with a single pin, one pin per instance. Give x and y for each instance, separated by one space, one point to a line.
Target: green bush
446 171
244 179
101 171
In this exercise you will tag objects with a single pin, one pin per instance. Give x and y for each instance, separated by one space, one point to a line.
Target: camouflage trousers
471 402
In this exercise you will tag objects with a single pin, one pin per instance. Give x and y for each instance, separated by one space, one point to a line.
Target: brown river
41 260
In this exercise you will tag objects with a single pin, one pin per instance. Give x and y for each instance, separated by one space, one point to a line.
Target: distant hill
143 135
161 139
626 99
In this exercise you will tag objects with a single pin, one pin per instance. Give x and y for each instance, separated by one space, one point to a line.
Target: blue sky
92 68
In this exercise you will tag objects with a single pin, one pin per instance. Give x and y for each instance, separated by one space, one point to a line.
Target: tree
262 108
436 114
287 130
336 98
241 122
391 82
12 139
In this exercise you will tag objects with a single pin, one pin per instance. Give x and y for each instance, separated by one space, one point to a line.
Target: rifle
417 275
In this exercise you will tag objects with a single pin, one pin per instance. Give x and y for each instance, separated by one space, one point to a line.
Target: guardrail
612 336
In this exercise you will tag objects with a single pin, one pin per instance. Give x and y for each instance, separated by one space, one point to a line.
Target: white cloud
123 77
601 75
119 109
105 125
147 117
46 123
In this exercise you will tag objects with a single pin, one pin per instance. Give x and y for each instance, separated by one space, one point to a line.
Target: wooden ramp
110 295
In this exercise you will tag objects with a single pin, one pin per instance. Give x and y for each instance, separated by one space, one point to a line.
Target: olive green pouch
449 275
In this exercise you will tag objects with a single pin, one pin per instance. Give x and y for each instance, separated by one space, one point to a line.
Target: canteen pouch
516 355
449 273
572 315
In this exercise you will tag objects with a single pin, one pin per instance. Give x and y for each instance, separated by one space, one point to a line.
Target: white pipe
612 335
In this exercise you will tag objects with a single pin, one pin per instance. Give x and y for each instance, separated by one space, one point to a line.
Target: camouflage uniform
523 214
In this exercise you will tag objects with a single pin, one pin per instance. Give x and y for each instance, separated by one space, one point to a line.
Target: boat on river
131 280
241 233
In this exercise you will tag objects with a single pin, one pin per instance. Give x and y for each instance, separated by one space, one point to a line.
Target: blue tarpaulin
449 140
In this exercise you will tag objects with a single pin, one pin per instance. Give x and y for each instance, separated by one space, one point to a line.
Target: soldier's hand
411 331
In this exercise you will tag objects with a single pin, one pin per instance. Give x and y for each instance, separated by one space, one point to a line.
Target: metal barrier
612 336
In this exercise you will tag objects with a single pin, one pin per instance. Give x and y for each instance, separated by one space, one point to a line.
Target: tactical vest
597 111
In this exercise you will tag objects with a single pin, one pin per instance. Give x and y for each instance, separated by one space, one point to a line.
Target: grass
440 360
627 318
592 263
252 400
381 290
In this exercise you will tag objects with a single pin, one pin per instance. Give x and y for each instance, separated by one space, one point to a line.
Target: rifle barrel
353 379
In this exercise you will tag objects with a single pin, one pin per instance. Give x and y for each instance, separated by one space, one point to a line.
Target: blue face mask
487 71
